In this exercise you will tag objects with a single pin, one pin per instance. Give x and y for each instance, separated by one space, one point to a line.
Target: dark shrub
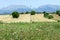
58 12
58 20
50 17
26 12
32 12
46 14
15 14
21 13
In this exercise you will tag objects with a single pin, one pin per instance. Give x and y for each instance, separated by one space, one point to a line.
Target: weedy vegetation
30 31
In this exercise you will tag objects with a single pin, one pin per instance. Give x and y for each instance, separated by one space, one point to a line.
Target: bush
46 14
50 17
58 20
32 12
21 13
58 12
26 12
15 14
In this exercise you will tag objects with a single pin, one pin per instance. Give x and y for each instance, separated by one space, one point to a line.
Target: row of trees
16 14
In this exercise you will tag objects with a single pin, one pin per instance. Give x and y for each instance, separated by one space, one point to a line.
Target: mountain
22 8
48 8
18 8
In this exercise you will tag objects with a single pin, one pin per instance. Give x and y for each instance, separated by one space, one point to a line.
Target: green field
30 31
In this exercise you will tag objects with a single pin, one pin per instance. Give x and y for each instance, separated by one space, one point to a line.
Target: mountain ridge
48 8
13 8
22 8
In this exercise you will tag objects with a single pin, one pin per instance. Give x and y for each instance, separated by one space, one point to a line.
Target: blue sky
29 3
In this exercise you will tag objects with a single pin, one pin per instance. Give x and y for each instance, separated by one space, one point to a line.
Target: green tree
22 13
46 14
26 12
33 12
58 12
15 14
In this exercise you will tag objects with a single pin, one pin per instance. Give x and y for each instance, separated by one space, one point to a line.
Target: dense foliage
46 15
58 12
26 12
33 12
15 14
22 13
50 17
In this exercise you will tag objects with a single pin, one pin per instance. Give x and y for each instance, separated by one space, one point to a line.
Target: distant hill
48 8
18 8
22 8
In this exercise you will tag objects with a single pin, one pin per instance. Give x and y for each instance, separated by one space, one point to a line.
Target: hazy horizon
28 3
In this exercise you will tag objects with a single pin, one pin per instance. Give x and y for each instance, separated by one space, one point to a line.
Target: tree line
46 14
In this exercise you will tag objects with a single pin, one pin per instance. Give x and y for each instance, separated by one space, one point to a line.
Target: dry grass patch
28 18
40 18
22 18
56 17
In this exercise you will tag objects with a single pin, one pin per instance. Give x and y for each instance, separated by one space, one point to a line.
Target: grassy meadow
30 31
30 27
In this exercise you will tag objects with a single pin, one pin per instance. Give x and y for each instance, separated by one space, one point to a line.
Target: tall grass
27 31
